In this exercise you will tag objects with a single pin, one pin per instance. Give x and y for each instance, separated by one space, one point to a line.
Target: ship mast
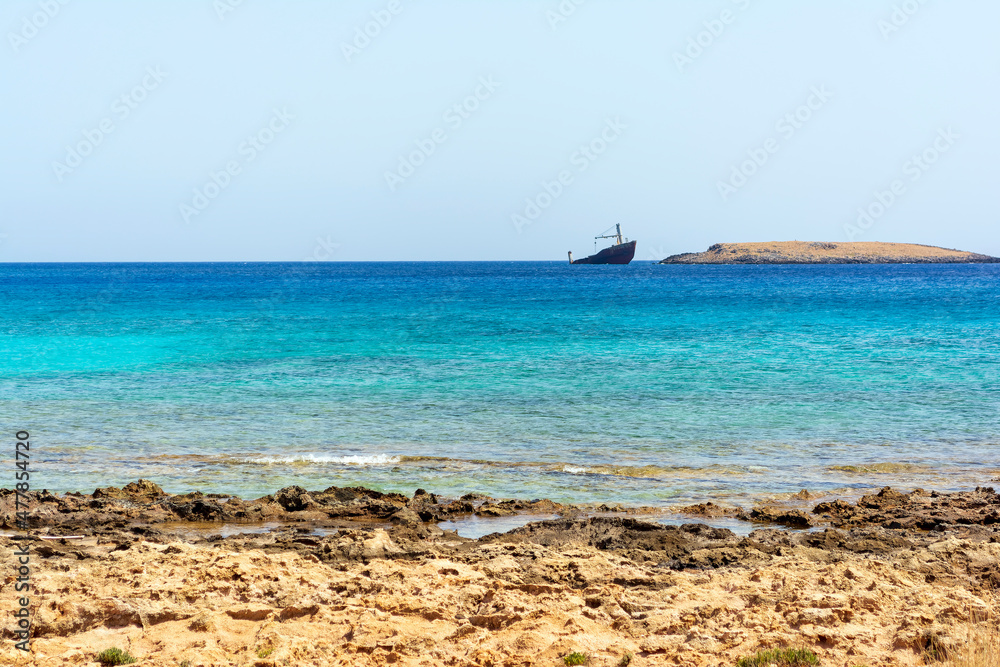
617 235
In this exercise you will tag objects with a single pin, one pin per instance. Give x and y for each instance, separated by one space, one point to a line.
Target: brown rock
801 252
405 516
780 516
143 489
294 499
709 509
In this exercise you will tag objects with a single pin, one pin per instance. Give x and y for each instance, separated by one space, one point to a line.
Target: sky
284 130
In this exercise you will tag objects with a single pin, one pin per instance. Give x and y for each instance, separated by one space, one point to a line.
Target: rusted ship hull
616 254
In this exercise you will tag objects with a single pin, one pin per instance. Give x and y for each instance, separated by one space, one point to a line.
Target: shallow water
474 527
206 529
641 385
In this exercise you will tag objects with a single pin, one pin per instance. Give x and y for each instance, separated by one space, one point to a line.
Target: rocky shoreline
800 252
352 576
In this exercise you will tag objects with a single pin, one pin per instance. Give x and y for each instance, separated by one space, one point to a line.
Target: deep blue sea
643 384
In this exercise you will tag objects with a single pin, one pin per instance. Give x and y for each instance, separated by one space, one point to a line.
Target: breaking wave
371 460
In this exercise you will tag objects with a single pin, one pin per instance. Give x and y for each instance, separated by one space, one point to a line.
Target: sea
640 385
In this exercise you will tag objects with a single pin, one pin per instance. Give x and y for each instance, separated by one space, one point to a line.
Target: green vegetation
575 658
792 657
265 651
115 656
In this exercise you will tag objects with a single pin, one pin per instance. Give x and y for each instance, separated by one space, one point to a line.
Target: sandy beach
357 577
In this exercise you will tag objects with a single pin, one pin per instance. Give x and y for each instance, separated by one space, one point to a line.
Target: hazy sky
184 130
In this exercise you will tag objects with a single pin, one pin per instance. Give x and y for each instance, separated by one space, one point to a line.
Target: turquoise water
643 384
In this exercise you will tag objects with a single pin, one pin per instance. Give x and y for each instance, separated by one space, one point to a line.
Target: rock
710 510
294 499
886 498
457 507
405 516
495 511
837 507
800 252
377 546
604 586
784 517
143 489
108 492
203 622
421 496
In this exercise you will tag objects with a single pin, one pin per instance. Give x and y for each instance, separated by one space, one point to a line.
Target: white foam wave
373 460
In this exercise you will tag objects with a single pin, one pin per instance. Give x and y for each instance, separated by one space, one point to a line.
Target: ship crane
617 235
